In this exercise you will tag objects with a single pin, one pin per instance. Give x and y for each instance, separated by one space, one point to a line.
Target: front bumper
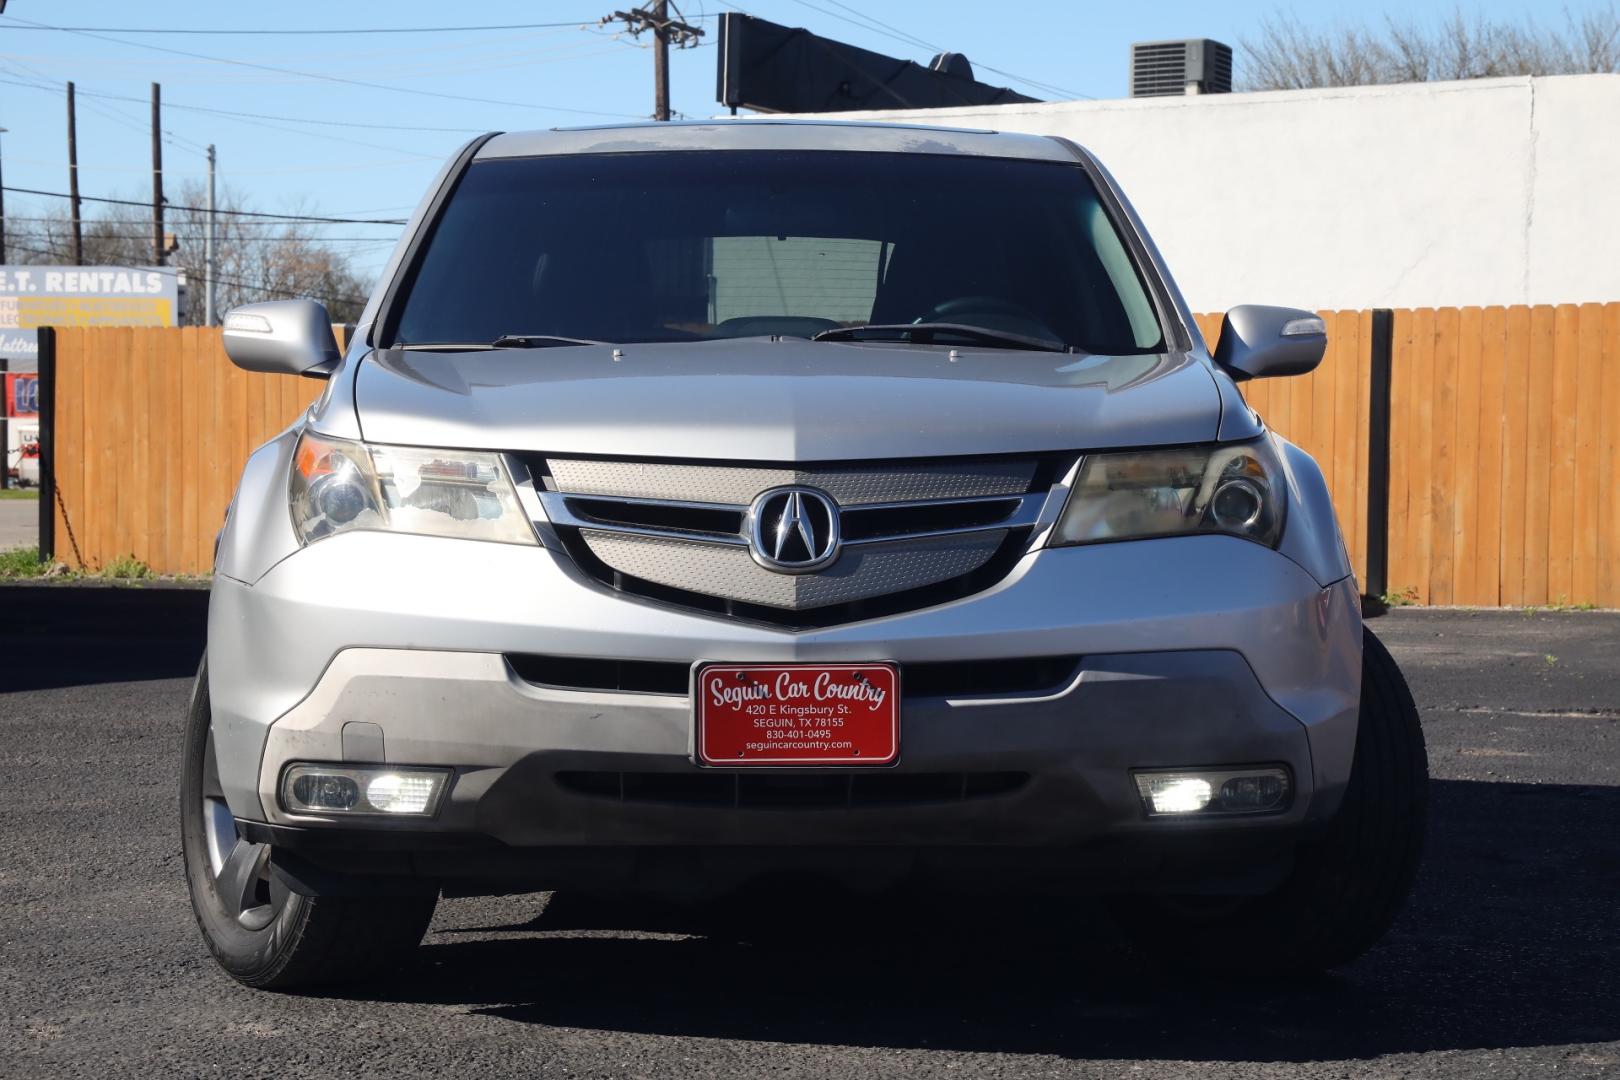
1195 651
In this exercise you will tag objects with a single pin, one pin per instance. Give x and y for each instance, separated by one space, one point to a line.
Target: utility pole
654 16
2 243
208 247
157 175
660 63
73 182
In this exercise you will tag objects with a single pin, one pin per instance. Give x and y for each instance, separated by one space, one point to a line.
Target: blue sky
542 74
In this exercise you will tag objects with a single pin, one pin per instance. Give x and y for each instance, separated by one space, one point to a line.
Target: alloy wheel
247 890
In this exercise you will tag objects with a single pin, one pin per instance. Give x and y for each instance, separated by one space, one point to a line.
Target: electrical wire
240 119
248 115
204 209
323 77
239 223
185 231
411 159
346 57
110 112
257 31
872 25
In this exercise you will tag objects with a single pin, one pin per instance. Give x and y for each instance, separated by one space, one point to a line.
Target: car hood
783 400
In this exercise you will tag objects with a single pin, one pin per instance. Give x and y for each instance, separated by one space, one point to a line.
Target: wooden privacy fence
151 430
1502 443
1504 480
1473 454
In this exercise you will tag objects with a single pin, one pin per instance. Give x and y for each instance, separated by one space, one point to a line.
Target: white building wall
1494 191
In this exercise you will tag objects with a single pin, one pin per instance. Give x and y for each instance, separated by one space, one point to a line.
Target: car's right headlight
338 485
1234 488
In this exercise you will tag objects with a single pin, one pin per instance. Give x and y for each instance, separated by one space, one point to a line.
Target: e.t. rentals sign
34 296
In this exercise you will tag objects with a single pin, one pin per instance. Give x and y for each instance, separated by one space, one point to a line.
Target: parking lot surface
1506 963
19 523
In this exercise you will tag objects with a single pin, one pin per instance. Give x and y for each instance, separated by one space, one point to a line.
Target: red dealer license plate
796 714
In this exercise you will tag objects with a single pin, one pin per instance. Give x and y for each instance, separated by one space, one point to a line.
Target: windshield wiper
928 333
538 341
505 341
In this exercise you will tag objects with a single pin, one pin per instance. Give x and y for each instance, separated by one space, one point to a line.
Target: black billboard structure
772 68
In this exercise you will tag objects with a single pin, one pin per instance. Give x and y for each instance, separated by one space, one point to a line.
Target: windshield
690 246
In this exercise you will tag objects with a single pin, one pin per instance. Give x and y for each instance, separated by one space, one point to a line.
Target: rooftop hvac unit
1173 68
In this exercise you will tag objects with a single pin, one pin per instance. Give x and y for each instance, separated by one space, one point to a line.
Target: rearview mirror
1258 342
282 337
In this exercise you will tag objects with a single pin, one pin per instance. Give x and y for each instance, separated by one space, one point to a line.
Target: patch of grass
1552 660
20 493
1400 598
21 563
1560 604
126 568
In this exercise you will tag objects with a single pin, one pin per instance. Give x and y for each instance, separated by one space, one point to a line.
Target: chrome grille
864 571
679 532
738 484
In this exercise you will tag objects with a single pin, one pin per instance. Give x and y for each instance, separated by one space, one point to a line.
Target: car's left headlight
1236 488
338 485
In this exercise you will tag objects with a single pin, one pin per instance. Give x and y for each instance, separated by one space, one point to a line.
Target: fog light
1260 792
325 792
1171 794
396 794
1203 792
343 789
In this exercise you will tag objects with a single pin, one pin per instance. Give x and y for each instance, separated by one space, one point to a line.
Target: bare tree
255 258
1288 55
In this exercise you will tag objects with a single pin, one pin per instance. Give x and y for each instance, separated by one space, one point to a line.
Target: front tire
262 934
1348 883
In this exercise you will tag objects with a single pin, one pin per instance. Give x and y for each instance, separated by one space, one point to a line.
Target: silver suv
709 508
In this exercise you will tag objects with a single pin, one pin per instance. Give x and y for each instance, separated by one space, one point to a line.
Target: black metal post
5 427
1383 352
47 444
157 175
73 178
2 213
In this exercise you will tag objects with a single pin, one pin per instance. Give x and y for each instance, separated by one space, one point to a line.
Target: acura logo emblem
793 530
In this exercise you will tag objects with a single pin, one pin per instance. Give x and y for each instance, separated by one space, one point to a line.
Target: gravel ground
1506 963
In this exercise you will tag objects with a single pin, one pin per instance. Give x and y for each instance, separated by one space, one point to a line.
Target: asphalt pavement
19 523
1506 962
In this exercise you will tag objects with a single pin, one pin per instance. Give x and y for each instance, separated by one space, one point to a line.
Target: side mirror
282 337
1258 342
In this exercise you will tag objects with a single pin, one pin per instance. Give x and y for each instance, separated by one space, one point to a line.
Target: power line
346 140
119 117
873 25
184 222
187 231
255 116
409 159
204 210
110 112
398 63
255 31
881 26
323 77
